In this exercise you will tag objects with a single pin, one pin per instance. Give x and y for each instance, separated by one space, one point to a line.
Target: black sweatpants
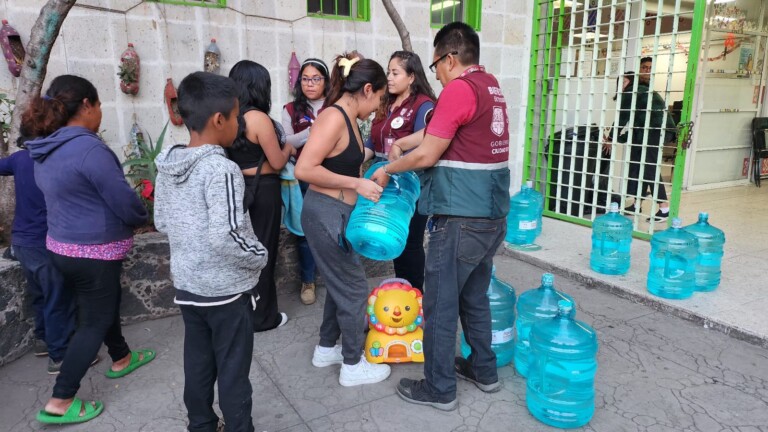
218 344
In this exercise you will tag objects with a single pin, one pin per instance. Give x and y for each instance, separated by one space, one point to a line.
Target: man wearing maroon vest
465 190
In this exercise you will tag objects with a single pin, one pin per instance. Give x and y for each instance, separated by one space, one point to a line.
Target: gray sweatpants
324 220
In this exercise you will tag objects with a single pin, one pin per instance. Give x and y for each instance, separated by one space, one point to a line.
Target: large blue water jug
561 380
525 216
378 230
501 297
611 240
532 306
711 241
673 263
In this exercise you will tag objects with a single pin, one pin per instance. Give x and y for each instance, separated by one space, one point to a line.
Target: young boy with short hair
215 257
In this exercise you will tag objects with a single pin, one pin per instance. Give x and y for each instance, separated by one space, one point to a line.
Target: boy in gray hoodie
215 257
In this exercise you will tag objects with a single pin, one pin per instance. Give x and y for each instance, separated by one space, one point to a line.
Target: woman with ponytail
309 95
92 212
331 164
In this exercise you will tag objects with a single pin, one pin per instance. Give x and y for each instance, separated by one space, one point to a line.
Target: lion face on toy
396 308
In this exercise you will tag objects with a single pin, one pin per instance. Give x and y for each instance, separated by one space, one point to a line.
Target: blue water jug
561 380
711 241
501 297
524 218
611 240
378 230
532 306
673 263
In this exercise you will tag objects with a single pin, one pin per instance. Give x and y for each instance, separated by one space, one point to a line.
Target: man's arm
424 156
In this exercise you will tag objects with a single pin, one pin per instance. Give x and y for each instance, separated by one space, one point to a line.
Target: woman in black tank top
330 163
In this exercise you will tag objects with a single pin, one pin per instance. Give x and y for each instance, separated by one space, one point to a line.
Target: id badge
388 141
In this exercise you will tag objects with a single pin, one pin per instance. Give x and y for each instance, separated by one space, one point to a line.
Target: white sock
324 350
664 210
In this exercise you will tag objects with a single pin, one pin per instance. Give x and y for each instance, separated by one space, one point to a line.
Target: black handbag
249 195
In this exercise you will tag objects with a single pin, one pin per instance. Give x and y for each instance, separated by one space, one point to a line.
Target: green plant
127 73
140 161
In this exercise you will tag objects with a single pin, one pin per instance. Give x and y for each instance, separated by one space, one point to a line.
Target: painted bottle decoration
501 297
611 241
13 48
378 230
711 241
171 101
212 61
561 379
130 70
533 306
293 71
133 151
524 218
673 257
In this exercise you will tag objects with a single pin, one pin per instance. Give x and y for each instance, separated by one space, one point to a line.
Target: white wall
171 41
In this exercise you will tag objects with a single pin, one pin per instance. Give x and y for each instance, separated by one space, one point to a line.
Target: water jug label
501 336
527 225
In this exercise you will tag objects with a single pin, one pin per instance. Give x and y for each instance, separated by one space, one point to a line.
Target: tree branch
405 37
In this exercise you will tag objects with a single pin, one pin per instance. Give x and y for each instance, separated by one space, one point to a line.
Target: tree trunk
405 37
41 40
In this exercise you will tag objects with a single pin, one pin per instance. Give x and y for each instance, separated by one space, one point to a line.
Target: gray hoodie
198 204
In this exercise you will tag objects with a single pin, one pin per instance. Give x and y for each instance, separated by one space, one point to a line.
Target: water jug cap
677 223
564 307
529 183
614 207
547 279
703 216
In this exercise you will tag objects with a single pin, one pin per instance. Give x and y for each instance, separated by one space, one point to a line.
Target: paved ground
657 373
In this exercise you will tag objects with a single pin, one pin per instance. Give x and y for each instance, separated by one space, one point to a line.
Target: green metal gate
582 149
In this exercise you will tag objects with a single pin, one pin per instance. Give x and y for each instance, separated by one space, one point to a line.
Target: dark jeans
324 220
650 170
265 213
306 261
96 285
410 264
458 271
218 344
54 306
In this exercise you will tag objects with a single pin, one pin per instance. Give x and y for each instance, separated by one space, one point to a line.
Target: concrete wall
171 41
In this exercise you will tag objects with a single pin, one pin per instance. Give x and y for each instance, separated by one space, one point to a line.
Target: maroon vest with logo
301 124
382 128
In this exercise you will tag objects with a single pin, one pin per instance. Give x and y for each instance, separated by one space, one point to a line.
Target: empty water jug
501 297
561 380
533 306
711 241
673 263
378 230
524 218
611 241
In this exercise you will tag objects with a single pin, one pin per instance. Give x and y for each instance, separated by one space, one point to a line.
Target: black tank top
247 154
348 161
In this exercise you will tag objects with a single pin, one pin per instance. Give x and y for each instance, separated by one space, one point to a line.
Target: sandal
136 362
91 410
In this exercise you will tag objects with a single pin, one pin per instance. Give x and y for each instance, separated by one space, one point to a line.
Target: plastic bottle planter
171 101
378 230
130 70
501 297
293 71
673 263
13 49
212 60
611 241
561 379
395 317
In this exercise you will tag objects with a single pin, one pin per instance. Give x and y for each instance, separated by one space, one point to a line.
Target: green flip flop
73 413
136 362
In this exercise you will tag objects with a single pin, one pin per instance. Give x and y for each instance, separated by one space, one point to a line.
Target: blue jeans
54 306
457 274
306 260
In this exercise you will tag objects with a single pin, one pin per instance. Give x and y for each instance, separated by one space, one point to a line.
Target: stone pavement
656 373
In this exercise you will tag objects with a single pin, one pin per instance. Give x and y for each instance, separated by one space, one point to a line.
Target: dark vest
301 124
382 128
471 179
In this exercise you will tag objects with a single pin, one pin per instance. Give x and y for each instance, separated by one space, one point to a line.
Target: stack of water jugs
556 353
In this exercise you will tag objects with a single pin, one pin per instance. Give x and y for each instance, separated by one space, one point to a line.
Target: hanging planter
13 49
212 61
130 69
293 71
171 101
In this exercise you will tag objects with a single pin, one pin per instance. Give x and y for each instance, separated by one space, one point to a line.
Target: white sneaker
363 373
320 359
